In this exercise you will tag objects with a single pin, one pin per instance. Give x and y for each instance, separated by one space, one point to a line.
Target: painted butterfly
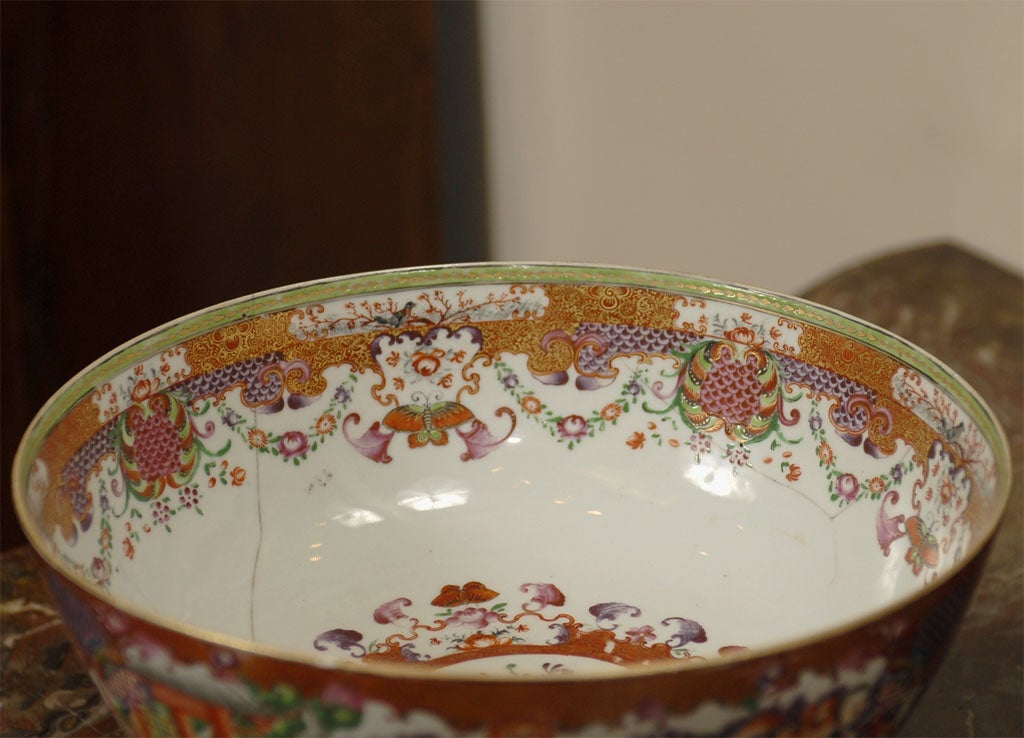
452 595
427 423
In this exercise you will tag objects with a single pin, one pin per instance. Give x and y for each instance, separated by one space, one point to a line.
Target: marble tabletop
943 297
969 313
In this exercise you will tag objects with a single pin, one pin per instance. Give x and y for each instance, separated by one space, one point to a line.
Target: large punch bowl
513 500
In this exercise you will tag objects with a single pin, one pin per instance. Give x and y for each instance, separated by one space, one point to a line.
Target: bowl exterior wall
862 682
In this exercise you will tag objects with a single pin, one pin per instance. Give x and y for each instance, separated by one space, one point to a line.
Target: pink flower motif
847 487
642 635
738 455
573 427
293 443
700 443
472 617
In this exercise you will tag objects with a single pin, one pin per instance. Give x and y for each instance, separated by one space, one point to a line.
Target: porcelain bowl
541 499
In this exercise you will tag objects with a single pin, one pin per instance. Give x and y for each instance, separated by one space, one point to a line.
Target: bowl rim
290 296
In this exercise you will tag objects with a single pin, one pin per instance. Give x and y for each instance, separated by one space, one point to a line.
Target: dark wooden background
160 158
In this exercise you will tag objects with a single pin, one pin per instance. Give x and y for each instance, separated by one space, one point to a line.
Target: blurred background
159 158
761 142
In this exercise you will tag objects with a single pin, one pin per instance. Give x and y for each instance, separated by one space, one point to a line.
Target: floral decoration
724 385
296 444
470 625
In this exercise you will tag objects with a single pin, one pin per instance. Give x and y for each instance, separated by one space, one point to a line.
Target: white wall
768 143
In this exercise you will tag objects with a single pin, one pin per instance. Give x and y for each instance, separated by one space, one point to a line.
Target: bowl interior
512 470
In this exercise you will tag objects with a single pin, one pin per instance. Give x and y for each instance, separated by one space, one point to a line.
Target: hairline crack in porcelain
512 476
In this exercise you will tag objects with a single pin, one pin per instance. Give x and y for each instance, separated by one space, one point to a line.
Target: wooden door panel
159 158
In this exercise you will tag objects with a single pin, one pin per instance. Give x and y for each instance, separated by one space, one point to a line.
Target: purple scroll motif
611 611
345 640
262 380
88 456
391 611
687 631
372 444
584 347
594 345
561 376
887 527
866 415
619 339
409 653
668 394
856 412
544 594
562 634
245 373
274 376
479 439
